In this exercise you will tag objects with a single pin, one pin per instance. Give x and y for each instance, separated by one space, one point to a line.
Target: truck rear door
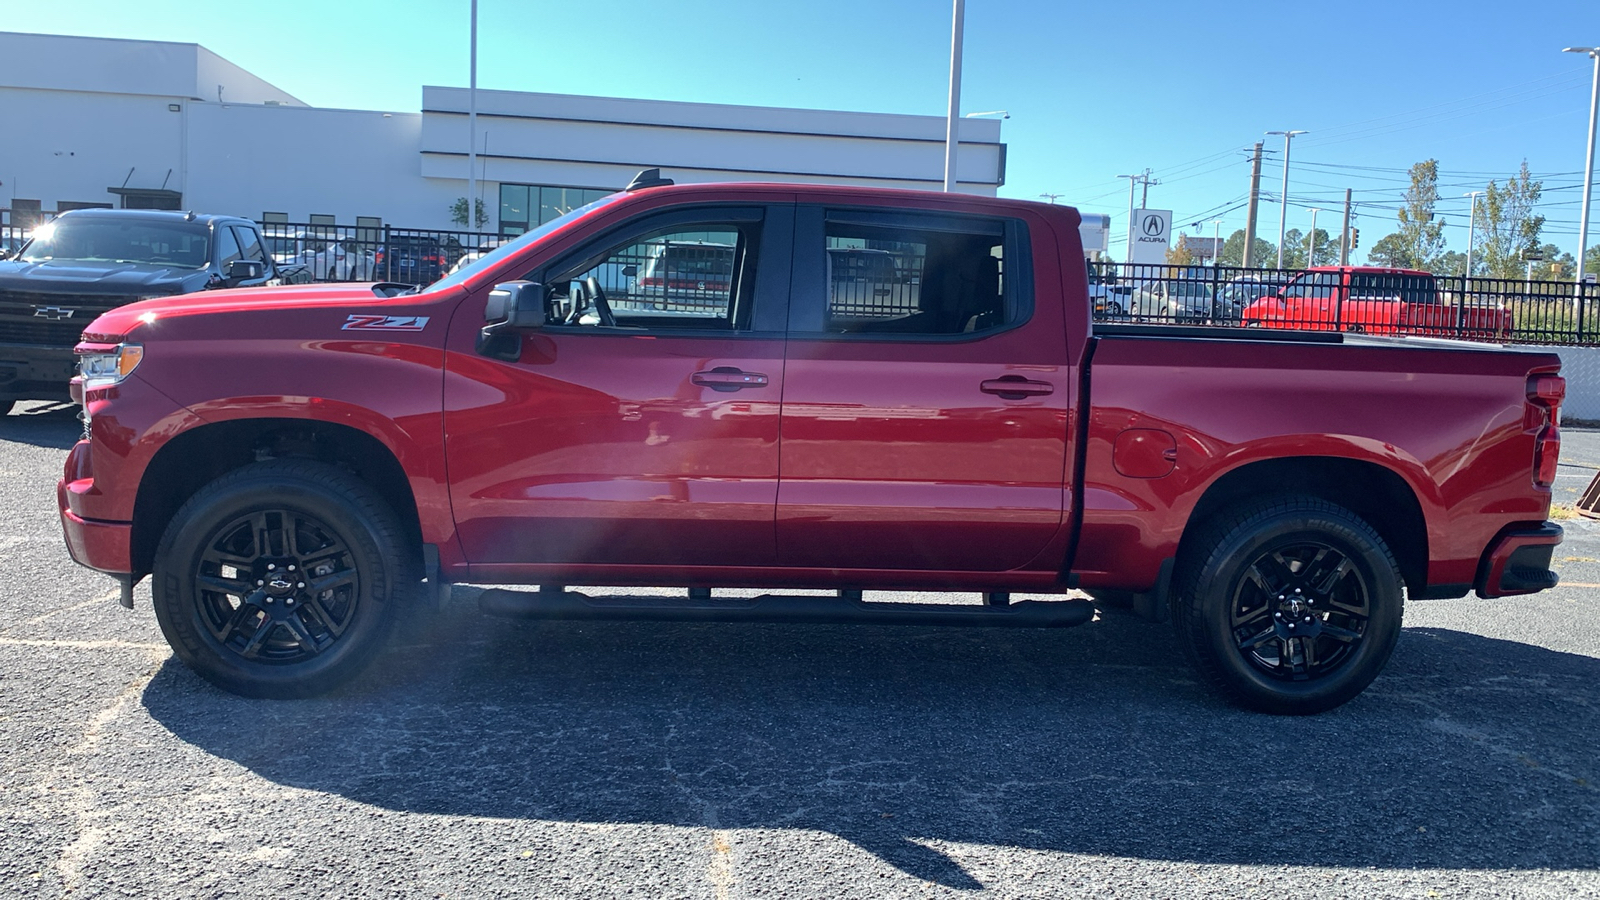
926 393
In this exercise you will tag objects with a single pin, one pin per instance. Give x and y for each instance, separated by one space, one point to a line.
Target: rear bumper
104 546
1518 562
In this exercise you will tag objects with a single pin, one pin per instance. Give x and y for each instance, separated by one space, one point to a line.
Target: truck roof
1372 270
151 215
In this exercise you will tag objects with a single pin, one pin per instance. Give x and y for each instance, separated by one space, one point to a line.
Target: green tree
1233 251
1420 234
458 213
1179 254
1296 244
1391 250
1451 263
1506 224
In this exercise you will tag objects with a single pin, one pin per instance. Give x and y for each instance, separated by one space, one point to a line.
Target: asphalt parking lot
489 758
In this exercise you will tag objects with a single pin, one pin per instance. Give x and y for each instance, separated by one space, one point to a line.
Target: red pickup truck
299 466
1376 301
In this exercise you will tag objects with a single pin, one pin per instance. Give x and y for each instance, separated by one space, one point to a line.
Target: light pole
1216 239
1311 252
472 127
952 138
1588 168
1472 229
1128 251
1283 202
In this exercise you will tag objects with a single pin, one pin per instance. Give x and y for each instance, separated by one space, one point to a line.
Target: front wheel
1291 606
280 579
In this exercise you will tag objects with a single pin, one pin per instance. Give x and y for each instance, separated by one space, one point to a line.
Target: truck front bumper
104 546
1518 561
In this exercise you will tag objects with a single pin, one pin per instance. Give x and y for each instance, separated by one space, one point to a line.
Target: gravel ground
484 758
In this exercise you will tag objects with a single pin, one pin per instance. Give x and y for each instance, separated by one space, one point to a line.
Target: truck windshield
177 245
510 247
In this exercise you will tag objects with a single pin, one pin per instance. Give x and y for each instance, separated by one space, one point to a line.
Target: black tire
1290 606
230 586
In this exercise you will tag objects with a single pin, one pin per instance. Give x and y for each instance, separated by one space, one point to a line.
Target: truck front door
639 426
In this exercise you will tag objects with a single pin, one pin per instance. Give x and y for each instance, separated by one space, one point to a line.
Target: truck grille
21 323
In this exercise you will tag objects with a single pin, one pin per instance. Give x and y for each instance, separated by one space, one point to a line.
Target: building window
525 206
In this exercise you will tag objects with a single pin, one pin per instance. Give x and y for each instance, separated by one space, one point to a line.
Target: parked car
1374 300
326 258
299 467
410 258
1233 297
686 275
1111 300
1175 300
472 256
87 261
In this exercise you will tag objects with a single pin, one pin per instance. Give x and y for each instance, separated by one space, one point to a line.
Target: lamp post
1283 201
472 127
1588 168
952 137
1216 241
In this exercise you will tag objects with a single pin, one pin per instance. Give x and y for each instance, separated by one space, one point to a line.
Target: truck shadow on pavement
1468 752
43 425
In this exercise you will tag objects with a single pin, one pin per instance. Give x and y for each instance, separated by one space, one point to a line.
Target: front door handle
1015 387
728 378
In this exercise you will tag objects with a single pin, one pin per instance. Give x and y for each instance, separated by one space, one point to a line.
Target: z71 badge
385 323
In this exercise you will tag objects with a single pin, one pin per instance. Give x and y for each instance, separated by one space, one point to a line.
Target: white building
149 124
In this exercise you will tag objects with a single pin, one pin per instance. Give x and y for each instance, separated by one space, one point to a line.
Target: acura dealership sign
1149 235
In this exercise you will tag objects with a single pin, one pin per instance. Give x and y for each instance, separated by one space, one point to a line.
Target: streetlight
1588 169
1472 230
1283 202
472 127
952 136
1216 238
1311 252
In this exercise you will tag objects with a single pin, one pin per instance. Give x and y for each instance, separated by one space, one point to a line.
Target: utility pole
1249 260
1472 230
951 139
1283 201
1344 236
1311 251
1144 196
1144 179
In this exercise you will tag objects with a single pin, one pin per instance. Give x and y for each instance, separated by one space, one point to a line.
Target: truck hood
124 320
94 277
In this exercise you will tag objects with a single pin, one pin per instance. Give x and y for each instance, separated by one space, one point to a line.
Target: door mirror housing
245 270
513 307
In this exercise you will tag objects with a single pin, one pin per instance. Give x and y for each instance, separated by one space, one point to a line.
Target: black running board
570 605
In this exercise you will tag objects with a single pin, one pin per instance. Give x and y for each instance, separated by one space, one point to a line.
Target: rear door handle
728 378
1015 387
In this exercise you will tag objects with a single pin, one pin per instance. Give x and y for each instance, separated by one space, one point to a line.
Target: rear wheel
281 579
1291 606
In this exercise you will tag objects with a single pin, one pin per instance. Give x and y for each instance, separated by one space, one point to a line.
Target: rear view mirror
512 307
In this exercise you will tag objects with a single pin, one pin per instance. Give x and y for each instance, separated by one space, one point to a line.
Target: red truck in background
297 467
1376 301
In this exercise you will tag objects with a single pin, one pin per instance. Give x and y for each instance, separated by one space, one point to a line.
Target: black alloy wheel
1291 605
280 579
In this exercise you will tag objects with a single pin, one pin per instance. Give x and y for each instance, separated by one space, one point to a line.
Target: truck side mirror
513 307
5 254
244 270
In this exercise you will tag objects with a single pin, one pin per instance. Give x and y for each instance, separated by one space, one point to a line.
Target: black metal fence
307 252
1374 302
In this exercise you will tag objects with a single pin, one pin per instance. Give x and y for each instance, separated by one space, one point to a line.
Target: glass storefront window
527 206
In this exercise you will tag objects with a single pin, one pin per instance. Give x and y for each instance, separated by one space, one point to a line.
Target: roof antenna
647 178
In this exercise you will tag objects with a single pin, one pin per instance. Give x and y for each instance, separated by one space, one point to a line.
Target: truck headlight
105 368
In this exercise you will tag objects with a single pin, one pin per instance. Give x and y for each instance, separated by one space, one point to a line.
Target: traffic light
1355 237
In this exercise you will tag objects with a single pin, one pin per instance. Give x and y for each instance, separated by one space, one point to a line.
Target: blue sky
1094 90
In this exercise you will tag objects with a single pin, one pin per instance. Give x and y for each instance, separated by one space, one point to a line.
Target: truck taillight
1546 390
